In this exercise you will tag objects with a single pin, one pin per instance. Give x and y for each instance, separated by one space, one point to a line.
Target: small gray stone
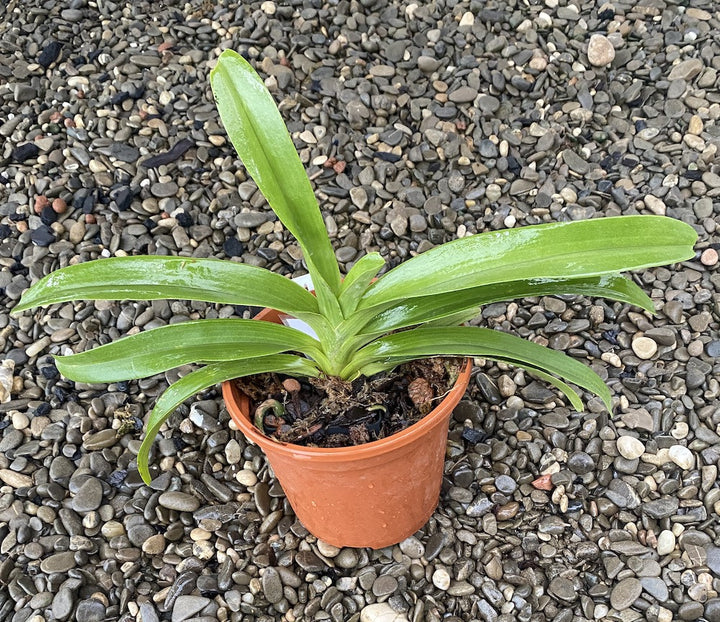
661 508
60 562
625 593
62 604
90 610
180 501
89 495
384 585
463 95
655 587
164 189
564 589
272 586
186 607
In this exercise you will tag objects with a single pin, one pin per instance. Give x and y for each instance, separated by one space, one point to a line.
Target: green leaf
551 251
422 309
261 139
200 341
471 341
358 279
201 379
154 278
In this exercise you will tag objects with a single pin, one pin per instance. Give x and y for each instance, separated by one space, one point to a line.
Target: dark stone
178 149
184 219
48 215
25 152
233 247
123 198
49 54
124 152
42 236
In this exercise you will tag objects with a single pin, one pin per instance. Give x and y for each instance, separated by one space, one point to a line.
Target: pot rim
379 447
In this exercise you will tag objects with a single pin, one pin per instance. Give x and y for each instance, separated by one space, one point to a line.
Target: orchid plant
363 323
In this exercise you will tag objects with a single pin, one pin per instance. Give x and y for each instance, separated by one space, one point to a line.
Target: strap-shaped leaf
199 341
471 341
205 377
358 279
153 278
551 251
261 139
428 308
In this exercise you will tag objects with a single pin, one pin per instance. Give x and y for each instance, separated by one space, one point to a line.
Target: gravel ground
418 123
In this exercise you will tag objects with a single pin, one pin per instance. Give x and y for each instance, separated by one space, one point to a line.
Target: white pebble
682 456
467 20
441 579
630 448
246 477
680 430
600 51
644 348
268 7
665 542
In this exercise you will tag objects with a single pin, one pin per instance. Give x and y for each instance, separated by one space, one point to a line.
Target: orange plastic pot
373 495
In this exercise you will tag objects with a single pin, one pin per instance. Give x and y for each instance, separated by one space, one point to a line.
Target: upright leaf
552 251
358 280
261 139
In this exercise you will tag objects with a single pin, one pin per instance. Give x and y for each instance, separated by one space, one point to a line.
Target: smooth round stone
89 496
154 545
630 447
328 550
187 606
384 585
162 190
665 542
682 456
600 51
180 501
581 463
347 558
90 610
644 347
712 610
563 589
625 593
412 547
60 562
272 586
505 484
381 612
441 579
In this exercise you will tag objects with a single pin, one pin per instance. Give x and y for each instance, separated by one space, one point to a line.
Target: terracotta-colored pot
373 495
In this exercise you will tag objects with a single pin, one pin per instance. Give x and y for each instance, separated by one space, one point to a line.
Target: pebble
682 456
89 495
180 501
625 593
441 579
600 51
665 542
630 447
272 586
644 347
381 612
